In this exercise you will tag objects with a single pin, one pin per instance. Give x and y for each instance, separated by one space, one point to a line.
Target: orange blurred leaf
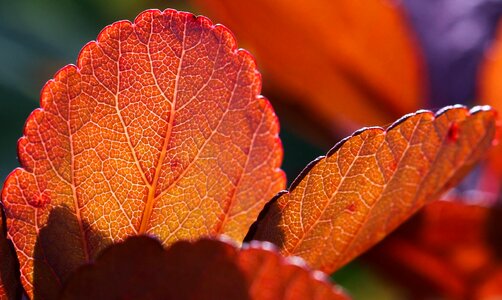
10 285
449 249
341 61
371 182
140 268
159 129
490 91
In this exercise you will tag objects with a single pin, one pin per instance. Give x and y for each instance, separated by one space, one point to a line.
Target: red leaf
159 129
491 288
140 268
449 249
371 182
10 285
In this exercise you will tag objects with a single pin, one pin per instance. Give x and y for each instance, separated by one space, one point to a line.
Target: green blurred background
38 37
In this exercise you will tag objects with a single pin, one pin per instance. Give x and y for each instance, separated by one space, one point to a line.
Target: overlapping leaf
371 182
449 249
140 268
342 61
159 129
10 286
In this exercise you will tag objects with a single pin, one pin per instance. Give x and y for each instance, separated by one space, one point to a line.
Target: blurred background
329 68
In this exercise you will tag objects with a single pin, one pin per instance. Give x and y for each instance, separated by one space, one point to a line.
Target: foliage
160 130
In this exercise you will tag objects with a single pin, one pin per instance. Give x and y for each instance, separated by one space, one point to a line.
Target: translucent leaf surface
371 182
158 129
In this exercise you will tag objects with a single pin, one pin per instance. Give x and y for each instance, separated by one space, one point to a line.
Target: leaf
159 129
490 90
10 285
140 268
449 250
421 273
491 288
330 57
371 182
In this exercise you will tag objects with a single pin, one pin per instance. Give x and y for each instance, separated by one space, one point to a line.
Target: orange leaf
140 268
490 91
159 129
341 61
371 182
490 88
10 286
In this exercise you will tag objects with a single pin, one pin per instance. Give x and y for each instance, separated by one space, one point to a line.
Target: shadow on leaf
10 283
274 211
59 251
140 268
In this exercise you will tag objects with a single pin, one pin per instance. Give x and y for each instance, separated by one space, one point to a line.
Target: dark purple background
453 36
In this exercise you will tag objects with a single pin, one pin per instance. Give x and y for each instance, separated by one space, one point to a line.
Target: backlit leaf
449 250
371 182
140 268
159 129
340 61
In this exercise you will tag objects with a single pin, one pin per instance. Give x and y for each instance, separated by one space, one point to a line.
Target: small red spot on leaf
393 165
40 200
453 132
382 198
175 164
498 133
351 207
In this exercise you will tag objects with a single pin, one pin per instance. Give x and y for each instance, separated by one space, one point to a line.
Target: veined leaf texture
159 129
371 182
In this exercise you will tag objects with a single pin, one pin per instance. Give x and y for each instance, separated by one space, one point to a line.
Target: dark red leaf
450 250
140 268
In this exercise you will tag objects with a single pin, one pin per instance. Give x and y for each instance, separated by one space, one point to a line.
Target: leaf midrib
147 212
